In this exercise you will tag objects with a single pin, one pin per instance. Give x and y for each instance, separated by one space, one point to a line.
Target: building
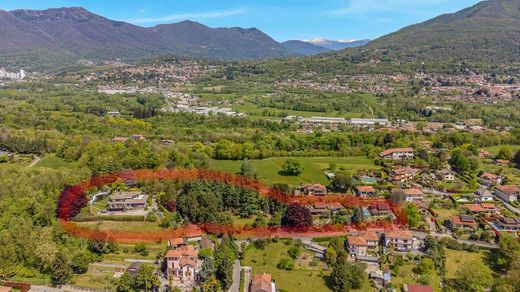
482 208
123 201
484 195
133 269
313 190
324 209
207 243
323 121
176 243
509 224
380 209
193 233
357 246
462 222
403 174
490 179
365 191
262 283
409 195
507 193
401 240
397 153
369 122
182 265
416 288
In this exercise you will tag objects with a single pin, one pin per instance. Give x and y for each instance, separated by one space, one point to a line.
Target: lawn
121 225
446 213
455 259
407 276
51 161
265 261
268 170
298 279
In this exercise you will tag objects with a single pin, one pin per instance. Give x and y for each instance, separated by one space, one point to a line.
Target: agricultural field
455 259
269 170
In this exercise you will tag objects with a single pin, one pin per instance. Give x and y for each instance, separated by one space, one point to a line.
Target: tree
225 256
474 276
461 163
347 276
145 279
80 262
61 271
208 268
342 183
125 283
297 216
509 249
412 215
505 153
359 216
516 159
294 251
210 285
292 167
247 169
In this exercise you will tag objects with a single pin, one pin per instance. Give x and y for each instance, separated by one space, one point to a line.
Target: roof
206 243
356 240
366 189
176 241
509 189
125 195
369 236
413 192
261 282
320 205
474 208
193 231
183 251
463 220
381 206
489 176
186 261
402 234
417 288
314 186
395 150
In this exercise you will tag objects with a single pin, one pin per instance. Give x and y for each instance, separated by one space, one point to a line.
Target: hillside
304 48
484 36
62 36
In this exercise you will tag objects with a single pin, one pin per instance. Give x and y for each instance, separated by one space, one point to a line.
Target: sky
281 19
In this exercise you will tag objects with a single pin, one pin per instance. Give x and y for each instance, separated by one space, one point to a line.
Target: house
416 288
313 190
371 238
207 243
262 283
193 233
401 240
380 209
490 179
462 222
409 195
403 174
509 224
484 195
507 193
182 264
357 246
365 191
319 209
122 201
133 269
175 243
423 208
448 176
397 153
138 137
483 208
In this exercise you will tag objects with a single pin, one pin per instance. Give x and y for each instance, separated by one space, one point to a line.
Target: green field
455 259
51 161
407 276
313 168
121 225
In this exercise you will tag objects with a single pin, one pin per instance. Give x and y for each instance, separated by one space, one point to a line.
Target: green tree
292 167
145 279
516 159
347 276
80 262
247 169
61 270
413 215
341 183
474 276
125 283
505 153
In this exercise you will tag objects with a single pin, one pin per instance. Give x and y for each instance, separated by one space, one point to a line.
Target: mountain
337 45
485 36
45 38
222 43
303 48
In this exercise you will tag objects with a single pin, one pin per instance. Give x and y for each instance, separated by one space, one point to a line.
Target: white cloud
188 16
362 7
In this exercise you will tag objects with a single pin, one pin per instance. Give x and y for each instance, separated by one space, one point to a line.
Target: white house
508 193
397 153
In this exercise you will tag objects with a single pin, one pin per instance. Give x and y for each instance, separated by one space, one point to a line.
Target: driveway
236 277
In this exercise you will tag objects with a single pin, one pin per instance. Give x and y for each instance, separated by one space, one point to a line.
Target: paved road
236 277
247 278
508 206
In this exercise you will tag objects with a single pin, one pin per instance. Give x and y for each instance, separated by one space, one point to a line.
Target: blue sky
282 19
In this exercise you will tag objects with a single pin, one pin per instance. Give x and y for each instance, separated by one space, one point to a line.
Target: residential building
133 269
175 243
509 224
371 238
380 209
401 240
369 122
409 195
324 209
508 193
403 174
313 190
482 208
193 233
262 283
484 195
490 179
397 153
462 222
365 191
122 201
182 265
357 246
416 288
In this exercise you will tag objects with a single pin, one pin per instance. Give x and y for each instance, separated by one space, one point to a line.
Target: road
236 277
508 206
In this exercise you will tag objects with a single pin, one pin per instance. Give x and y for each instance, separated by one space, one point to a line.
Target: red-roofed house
380 209
416 288
483 208
413 194
313 190
182 265
397 153
193 233
508 193
357 246
365 191
402 240
489 179
463 222
175 243
262 283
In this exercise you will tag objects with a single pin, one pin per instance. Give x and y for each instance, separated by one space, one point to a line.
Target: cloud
363 7
188 16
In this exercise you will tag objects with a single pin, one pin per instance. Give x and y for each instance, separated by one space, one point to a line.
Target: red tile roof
366 189
369 236
457 220
402 234
395 150
356 240
261 283
176 241
413 192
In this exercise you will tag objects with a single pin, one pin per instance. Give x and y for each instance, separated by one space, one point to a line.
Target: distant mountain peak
336 45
